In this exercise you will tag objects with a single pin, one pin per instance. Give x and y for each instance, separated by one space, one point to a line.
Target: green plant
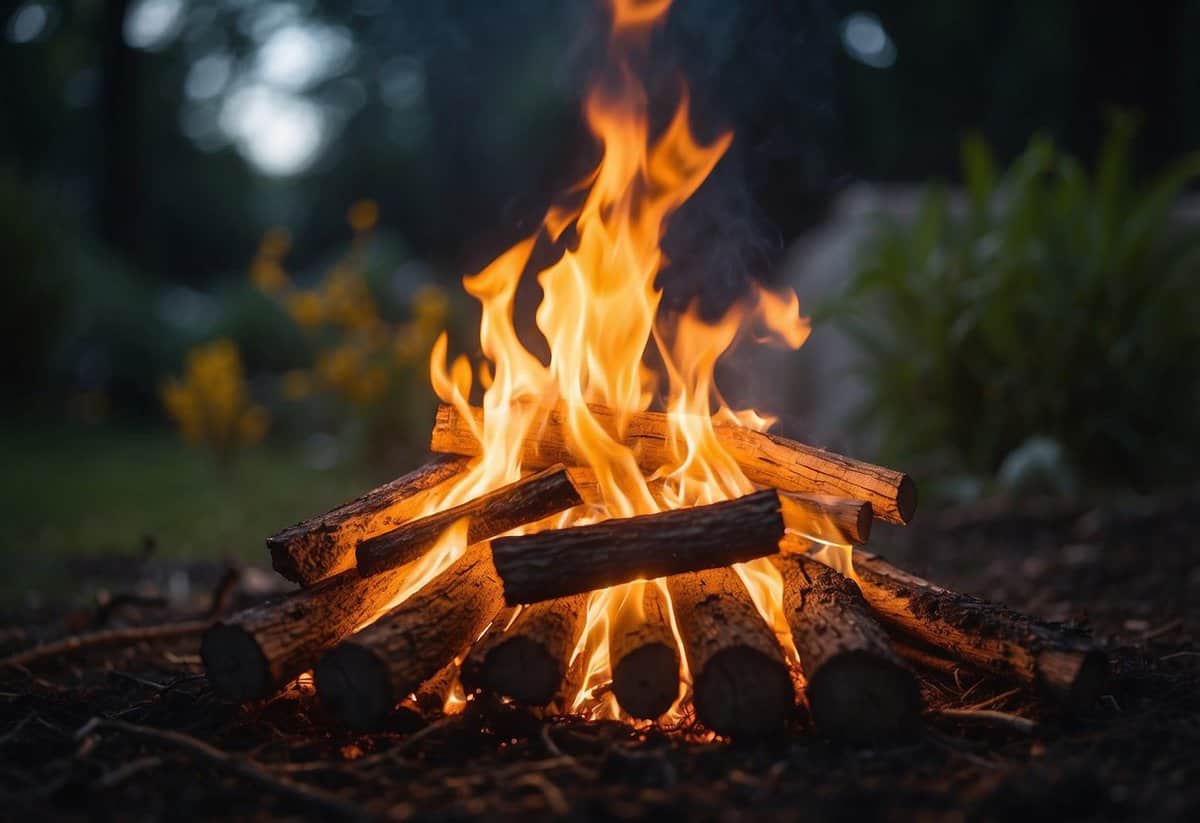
1056 303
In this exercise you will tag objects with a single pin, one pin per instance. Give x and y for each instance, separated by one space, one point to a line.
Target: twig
1011 721
16 730
284 786
108 637
371 759
122 773
1165 628
1174 655
991 701
555 800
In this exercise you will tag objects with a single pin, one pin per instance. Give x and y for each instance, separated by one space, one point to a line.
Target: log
362 679
529 661
1057 659
254 653
831 519
858 689
741 686
322 546
562 562
525 501
643 654
766 459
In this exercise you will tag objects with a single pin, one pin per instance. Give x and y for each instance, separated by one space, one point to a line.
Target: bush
1057 304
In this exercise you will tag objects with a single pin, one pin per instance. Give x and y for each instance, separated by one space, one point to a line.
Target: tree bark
767 459
561 562
858 689
256 652
322 546
525 501
832 519
365 677
1057 659
740 683
529 661
644 654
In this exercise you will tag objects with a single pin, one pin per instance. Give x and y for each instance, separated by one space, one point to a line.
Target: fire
610 344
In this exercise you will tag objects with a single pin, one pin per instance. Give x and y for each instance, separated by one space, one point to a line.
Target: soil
165 746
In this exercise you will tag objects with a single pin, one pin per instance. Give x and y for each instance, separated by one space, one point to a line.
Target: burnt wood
644 654
766 459
741 686
364 678
254 653
322 546
857 688
1058 659
562 562
525 501
832 519
528 662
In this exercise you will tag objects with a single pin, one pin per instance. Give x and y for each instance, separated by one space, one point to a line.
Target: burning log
322 546
833 519
562 562
528 662
362 679
857 687
740 683
1055 658
644 655
525 501
256 652
766 459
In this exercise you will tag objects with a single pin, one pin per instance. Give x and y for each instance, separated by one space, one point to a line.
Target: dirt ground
133 732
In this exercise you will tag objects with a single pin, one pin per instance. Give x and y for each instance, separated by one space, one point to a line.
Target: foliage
210 404
1056 303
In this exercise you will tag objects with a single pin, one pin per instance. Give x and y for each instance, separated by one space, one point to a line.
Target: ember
648 554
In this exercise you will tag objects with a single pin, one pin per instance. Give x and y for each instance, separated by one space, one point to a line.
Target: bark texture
740 682
644 654
322 546
525 501
858 689
562 562
363 678
833 519
767 459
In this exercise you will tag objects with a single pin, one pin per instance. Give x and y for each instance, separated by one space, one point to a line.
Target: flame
600 316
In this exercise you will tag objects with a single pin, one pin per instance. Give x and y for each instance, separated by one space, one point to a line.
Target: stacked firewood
508 614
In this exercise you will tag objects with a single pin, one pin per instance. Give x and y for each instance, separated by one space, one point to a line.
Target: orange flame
600 316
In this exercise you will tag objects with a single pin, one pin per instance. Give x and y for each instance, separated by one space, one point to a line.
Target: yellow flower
252 425
209 404
305 309
363 215
275 243
268 276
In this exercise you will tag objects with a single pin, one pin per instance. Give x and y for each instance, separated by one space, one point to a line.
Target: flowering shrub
210 404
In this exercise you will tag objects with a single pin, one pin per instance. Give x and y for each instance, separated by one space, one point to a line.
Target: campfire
600 534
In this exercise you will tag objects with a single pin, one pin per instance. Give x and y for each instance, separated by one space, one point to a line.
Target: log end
521 669
906 499
859 696
744 693
353 685
1076 677
235 664
646 681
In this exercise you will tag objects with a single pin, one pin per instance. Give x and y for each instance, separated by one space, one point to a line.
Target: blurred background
231 231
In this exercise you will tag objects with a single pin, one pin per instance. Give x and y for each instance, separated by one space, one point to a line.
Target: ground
1124 566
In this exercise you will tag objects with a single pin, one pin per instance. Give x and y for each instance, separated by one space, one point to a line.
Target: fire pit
602 535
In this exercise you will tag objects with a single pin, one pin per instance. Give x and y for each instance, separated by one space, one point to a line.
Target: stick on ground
525 501
323 546
562 562
125 635
858 689
362 679
740 682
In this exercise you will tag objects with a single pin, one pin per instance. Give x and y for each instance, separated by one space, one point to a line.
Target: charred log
833 519
644 654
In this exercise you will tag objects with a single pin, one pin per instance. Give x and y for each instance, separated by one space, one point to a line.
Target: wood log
1057 659
831 519
525 501
529 661
858 689
643 653
254 653
362 679
741 686
322 546
429 699
561 562
766 459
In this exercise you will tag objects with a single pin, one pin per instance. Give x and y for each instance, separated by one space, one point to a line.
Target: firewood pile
505 618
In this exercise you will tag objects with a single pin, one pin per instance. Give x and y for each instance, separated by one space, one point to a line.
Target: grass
75 492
